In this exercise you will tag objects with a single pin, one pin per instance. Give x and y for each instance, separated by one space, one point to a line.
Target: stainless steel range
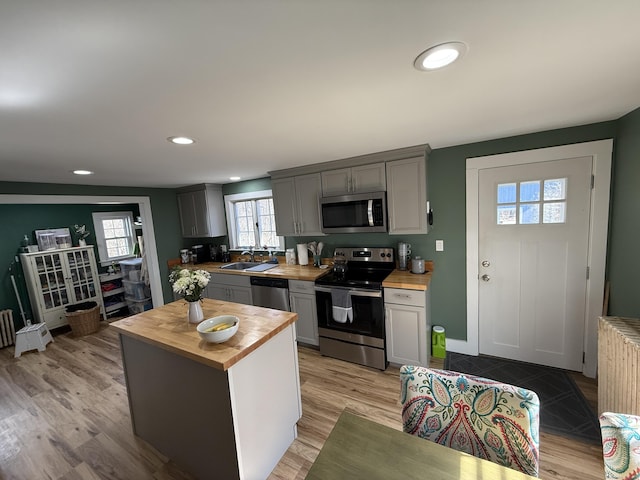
351 308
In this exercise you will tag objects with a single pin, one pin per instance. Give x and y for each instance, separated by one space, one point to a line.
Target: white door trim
601 151
148 232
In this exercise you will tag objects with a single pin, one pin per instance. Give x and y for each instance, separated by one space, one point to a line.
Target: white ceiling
269 84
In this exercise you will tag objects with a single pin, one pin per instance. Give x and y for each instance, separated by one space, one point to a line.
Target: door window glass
521 203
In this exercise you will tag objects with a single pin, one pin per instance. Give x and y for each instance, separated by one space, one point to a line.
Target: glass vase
195 312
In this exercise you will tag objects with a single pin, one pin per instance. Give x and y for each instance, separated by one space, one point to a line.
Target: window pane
554 212
245 239
507 193
555 189
530 214
507 214
107 224
530 191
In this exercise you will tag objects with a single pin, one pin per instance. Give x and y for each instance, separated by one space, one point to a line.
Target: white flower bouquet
189 284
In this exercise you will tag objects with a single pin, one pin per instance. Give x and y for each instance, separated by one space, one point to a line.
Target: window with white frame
251 221
115 235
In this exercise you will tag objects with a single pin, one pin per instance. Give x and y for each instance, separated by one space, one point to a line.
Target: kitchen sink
239 265
249 266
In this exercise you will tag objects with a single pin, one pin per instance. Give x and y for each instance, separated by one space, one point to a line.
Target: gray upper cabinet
407 196
202 211
295 201
360 179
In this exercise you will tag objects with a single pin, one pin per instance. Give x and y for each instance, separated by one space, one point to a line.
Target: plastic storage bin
136 290
139 306
128 266
438 342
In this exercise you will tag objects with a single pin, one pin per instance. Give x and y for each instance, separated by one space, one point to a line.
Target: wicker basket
84 322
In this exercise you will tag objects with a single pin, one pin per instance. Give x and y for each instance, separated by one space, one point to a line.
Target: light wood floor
64 415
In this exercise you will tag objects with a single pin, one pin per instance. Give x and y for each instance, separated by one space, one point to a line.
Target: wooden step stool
32 337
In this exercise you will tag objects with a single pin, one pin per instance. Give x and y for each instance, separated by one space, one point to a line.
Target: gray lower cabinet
302 297
230 288
407 324
407 196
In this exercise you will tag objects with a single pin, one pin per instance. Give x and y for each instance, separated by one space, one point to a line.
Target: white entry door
533 243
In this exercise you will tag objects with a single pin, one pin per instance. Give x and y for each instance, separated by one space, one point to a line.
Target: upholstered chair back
488 419
621 445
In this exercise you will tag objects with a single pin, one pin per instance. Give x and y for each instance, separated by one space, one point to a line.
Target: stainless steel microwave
355 213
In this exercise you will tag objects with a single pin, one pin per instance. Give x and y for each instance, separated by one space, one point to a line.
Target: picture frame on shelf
53 239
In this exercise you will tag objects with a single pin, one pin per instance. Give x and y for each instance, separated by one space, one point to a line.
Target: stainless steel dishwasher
270 293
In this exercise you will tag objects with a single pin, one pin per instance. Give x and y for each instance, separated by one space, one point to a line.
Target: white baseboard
461 346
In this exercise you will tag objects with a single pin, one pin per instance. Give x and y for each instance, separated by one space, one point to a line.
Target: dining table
358 448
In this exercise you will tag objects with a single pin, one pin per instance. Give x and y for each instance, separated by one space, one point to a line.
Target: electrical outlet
439 245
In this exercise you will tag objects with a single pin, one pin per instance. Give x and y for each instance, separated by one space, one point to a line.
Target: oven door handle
353 292
370 212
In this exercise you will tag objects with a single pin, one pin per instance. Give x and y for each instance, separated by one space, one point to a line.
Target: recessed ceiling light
234 179
181 140
440 56
83 172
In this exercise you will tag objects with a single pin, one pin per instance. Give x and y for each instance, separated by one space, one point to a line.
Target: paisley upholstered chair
621 445
488 419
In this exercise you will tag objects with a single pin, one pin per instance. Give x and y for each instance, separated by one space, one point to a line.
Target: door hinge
588 269
593 181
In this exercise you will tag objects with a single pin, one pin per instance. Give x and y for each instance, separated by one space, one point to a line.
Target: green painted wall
623 263
446 180
20 220
25 219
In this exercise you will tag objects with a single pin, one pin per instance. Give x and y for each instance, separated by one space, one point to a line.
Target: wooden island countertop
167 327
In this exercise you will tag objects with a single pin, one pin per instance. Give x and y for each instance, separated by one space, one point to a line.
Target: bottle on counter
290 256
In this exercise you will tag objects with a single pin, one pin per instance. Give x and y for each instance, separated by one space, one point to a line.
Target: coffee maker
201 253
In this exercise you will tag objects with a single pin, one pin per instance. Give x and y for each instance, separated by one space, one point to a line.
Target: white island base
228 424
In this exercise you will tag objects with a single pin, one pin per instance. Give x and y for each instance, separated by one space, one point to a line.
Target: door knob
485 263
485 277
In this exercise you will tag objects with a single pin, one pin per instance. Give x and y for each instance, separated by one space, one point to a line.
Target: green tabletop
358 448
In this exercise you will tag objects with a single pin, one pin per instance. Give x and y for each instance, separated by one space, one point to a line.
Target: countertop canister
417 265
303 254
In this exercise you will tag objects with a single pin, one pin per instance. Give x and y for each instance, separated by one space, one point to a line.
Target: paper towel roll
303 254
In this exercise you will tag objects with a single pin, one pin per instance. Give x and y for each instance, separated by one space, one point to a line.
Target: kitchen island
218 410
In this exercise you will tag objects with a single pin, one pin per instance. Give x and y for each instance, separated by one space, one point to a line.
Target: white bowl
221 335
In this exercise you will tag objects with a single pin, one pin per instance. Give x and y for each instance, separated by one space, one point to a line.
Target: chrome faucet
251 255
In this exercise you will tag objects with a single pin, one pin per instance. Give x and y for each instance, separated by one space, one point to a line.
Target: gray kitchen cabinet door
360 179
284 205
336 182
407 196
407 326
187 211
369 178
308 188
296 206
303 302
202 211
241 295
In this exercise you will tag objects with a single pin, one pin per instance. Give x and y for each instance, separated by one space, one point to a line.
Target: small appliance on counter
201 253
225 256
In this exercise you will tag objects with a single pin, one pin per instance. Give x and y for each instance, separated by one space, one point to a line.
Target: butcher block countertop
290 272
397 279
410 281
167 327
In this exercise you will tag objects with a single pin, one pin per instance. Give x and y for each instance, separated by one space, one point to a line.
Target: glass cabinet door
51 280
82 281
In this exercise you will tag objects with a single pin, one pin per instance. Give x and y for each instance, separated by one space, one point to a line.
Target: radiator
7 330
619 365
